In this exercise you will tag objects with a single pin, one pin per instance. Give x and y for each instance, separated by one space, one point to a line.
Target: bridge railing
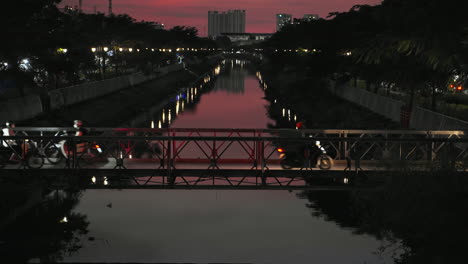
170 149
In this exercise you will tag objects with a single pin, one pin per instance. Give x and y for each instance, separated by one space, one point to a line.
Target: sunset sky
260 13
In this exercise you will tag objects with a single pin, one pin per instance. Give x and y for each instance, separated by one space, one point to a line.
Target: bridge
230 158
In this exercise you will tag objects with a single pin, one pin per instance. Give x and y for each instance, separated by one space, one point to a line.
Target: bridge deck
239 157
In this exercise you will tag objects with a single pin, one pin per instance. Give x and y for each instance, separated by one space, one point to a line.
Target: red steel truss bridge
227 158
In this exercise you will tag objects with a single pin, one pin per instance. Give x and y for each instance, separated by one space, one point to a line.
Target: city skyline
261 13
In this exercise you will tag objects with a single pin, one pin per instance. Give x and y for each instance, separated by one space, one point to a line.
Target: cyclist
9 131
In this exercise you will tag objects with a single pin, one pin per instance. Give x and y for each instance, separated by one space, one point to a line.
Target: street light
120 49
106 49
93 50
130 49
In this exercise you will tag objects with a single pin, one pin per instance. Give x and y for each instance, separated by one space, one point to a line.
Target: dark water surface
213 226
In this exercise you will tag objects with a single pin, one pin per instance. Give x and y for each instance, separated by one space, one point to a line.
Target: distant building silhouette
243 39
285 19
310 17
158 25
232 21
282 20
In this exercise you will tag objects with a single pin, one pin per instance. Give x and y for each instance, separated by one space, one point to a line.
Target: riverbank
309 98
415 118
119 107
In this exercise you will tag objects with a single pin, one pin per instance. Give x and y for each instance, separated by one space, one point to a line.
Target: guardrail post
72 146
345 145
432 149
401 152
254 152
348 162
173 152
262 160
170 177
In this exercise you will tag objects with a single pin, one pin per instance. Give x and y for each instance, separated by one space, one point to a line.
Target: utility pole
110 7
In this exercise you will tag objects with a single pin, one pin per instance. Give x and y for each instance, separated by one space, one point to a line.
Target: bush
456 99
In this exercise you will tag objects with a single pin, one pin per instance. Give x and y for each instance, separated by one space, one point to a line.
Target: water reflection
185 99
409 219
213 226
49 232
229 89
418 218
231 100
283 115
233 82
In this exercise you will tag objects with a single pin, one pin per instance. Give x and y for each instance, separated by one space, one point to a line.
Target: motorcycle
311 157
88 152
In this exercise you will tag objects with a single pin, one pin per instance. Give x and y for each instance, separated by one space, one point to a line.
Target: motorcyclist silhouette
79 146
310 151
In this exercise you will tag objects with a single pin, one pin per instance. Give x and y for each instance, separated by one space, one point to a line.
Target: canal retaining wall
20 108
79 93
419 118
27 107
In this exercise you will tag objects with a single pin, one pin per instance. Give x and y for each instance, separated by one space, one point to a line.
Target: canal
197 226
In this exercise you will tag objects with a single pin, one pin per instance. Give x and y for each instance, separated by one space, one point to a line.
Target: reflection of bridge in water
237 158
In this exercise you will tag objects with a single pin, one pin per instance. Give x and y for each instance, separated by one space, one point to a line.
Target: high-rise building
310 17
282 20
232 21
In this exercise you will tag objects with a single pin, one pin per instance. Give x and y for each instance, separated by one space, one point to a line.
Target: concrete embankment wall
27 107
20 108
79 93
420 118
425 119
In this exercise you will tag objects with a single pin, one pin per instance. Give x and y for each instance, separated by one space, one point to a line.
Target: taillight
98 148
280 150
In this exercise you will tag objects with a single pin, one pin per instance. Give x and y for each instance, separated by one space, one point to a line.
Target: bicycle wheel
325 162
53 154
285 165
34 160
